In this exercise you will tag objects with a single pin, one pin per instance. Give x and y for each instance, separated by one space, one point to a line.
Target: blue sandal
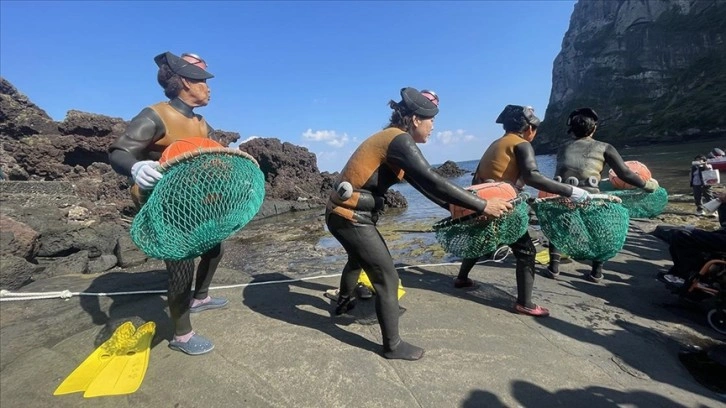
215 303
195 346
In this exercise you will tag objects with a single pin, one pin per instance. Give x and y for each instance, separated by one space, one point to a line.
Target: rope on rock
7 296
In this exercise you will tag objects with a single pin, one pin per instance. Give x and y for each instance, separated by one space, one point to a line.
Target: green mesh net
202 199
593 230
605 185
641 204
475 238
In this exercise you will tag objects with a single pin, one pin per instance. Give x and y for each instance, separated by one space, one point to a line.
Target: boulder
226 138
76 263
98 239
394 199
17 239
16 272
19 116
450 169
291 172
90 124
127 253
101 263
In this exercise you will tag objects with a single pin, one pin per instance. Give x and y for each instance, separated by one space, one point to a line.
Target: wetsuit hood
418 104
589 112
184 67
523 115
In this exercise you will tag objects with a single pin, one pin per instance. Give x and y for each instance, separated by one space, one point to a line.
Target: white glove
651 185
579 195
145 174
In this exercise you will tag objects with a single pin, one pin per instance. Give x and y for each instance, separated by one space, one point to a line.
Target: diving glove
579 195
651 185
145 174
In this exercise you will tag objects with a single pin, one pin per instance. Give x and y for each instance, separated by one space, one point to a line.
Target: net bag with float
468 235
639 203
593 230
208 192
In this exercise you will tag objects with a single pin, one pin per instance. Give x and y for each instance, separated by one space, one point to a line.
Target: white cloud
330 161
250 138
329 137
453 136
239 142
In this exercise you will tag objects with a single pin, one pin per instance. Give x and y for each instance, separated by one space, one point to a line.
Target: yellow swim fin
363 278
116 367
125 372
542 257
85 373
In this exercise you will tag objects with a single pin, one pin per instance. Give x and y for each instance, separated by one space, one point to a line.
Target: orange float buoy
636 167
187 145
485 191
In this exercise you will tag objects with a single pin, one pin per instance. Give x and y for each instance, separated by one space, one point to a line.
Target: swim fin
125 372
363 279
106 370
542 257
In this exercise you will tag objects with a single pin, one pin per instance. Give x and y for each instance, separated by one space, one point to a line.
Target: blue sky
315 74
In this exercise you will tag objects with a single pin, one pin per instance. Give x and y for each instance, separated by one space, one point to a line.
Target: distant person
136 154
381 161
511 159
701 190
580 162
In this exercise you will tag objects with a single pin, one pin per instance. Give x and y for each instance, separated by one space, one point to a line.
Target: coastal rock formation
450 169
19 116
291 172
64 210
652 69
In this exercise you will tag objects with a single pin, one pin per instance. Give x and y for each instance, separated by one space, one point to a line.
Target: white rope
8 296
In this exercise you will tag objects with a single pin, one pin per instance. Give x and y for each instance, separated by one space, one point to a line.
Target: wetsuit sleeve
404 154
613 159
144 128
530 173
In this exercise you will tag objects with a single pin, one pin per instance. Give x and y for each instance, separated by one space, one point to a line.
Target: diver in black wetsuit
580 162
511 159
382 160
136 154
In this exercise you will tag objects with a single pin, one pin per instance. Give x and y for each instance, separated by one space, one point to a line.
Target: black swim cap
418 103
520 115
589 112
188 65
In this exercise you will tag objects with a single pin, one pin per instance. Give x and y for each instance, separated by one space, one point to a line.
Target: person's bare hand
496 207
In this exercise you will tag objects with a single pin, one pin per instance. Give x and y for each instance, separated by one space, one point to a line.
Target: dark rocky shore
63 210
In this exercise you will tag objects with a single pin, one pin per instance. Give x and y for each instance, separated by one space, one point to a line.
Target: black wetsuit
512 159
379 162
583 160
145 139
690 249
